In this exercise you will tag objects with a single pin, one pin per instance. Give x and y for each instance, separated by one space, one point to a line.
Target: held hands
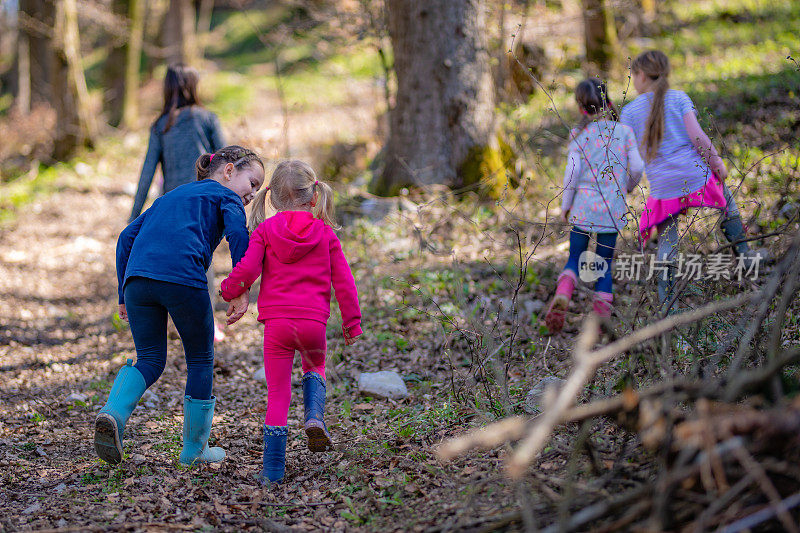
237 307
565 216
123 312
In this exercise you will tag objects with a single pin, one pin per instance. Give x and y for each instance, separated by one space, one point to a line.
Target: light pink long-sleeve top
298 258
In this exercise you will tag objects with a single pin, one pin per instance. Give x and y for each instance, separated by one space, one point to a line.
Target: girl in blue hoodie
162 258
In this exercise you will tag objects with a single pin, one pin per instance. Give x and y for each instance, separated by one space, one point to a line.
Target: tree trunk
133 60
114 69
442 123
600 33
205 9
74 124
121 70
179 32
22 99
649 10
36 19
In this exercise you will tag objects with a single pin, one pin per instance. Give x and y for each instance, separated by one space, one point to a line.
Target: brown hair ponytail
592 96
180 90
207 164
654 65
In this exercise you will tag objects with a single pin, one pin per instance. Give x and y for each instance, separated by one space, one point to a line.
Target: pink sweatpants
282 336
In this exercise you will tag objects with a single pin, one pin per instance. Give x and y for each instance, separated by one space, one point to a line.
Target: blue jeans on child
148 302
579 243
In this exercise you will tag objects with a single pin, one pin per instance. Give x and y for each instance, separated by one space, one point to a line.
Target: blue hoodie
175 239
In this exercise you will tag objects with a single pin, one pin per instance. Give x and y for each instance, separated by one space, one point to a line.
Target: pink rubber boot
602 304
554 320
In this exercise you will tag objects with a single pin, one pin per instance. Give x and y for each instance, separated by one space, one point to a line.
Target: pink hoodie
298 257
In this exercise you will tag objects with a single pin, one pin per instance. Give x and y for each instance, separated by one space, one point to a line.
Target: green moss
484 166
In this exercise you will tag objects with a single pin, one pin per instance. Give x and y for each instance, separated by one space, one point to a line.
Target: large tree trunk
122 66
179 27
442 123
74 123
36 19
600 32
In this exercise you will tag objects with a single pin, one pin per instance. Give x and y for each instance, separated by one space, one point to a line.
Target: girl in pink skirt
682 165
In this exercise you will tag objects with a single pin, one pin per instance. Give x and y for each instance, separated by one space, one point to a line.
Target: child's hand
238 307
721 172
348 341
123 312
565 216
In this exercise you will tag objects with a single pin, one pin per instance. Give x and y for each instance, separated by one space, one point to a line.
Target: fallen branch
558 410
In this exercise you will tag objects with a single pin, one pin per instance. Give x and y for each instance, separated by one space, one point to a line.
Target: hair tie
583 111
210 158
266 189
316 182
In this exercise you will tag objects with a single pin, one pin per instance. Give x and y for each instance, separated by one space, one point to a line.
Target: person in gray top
183 132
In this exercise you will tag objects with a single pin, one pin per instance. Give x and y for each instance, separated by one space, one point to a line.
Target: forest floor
427 276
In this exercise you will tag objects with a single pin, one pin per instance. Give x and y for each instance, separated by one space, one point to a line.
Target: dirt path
60 350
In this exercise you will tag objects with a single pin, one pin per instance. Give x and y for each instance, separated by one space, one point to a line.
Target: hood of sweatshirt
292 234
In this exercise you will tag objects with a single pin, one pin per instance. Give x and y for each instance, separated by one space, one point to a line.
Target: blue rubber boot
734 232
319 440
197 417
274 464
109 426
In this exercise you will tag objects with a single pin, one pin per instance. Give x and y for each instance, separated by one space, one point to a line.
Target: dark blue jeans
148 303
579 243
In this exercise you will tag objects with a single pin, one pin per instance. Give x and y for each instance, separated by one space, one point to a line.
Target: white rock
77 397
150 399
61 523
533 306
32 508
535 397
789 210
150 396
260 375
61 487
385 384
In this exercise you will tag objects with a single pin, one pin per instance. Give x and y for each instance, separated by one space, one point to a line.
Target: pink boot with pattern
556 313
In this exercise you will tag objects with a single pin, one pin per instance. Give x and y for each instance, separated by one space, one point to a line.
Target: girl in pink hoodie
299 257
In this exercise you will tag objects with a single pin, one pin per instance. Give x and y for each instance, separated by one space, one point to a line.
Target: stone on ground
535 398
384 384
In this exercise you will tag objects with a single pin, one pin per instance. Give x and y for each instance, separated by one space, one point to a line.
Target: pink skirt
657 211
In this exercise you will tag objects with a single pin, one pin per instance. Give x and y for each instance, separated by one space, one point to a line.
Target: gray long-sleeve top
195 131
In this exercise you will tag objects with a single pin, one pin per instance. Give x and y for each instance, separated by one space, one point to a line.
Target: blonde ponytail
654 65
325 209
292 185
258 211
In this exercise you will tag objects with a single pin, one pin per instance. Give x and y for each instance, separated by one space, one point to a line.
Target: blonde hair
293 184
655 65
